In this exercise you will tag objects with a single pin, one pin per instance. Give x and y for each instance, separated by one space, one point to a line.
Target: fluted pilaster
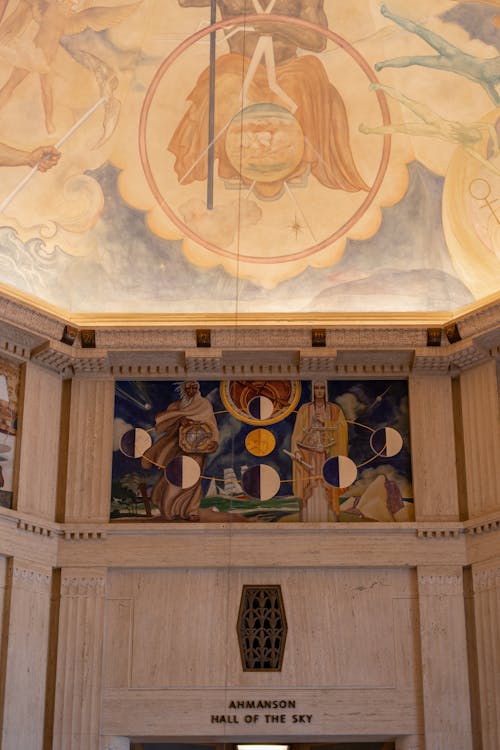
79 659
481 437
444 658
486 585
38 441
27 642
90 444
433 448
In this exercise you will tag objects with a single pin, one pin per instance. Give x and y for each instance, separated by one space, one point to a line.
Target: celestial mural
258 155
9 396
261 450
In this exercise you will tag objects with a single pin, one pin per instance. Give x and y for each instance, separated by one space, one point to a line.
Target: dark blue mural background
366 404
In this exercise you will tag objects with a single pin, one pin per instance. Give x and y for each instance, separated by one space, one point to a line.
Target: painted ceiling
260 156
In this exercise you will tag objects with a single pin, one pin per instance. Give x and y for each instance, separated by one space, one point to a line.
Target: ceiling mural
250 155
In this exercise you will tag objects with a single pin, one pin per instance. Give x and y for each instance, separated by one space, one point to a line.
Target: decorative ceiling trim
367 349
468 315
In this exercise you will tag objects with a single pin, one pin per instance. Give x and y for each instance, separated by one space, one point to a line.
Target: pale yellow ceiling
355 159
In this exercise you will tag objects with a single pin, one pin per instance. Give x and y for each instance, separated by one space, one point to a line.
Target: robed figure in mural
263 66
189 429
319 433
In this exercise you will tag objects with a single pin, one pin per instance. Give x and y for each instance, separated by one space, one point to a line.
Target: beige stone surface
443 646
146 643
38 442
486 587
27 642
433 448
88 479
481 437
78 681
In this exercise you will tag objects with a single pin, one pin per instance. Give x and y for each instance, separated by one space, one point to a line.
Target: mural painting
258 155
9 396
246 451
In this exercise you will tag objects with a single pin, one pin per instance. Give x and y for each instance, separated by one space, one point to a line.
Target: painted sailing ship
231 487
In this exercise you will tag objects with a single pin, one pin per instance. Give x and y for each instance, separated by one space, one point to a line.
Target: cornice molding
170 545
384 345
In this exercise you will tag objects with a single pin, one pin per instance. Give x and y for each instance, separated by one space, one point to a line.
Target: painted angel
55 19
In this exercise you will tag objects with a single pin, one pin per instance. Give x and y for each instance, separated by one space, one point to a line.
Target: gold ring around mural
238 396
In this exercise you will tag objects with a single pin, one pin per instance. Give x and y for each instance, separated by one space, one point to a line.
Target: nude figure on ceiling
484 71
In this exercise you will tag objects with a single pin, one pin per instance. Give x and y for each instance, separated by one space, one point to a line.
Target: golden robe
320 112
320 432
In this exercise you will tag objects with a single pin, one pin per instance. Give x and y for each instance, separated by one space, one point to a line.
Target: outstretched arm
44 157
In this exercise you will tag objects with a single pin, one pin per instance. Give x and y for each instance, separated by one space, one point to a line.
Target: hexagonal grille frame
262 628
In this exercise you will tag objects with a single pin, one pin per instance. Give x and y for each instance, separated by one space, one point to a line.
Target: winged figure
55 19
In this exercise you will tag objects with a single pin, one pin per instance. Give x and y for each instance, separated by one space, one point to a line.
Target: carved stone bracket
67 361
440 533
36 528
483 525
466 354
435 361
311 361
203 361
83 535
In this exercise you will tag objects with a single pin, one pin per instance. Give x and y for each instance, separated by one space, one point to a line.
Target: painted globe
264 143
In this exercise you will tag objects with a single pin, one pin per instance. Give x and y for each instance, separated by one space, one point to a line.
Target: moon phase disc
261 482
135 442
386 442
339 471
182 471
261 408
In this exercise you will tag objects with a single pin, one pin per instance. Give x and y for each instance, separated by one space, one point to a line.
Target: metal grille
262 628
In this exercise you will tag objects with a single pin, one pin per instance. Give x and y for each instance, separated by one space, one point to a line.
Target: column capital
486 575
30 576
434 580
84 582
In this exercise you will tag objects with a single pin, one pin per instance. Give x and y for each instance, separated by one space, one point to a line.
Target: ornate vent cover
262 628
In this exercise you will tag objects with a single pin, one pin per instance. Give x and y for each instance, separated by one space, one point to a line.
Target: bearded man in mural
263 67
189 428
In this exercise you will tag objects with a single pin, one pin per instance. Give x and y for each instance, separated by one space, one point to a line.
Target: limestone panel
197 713
444 658
118 642
38 442
90 443
79 659
481 438
26 657
347 629
433 448
486 584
